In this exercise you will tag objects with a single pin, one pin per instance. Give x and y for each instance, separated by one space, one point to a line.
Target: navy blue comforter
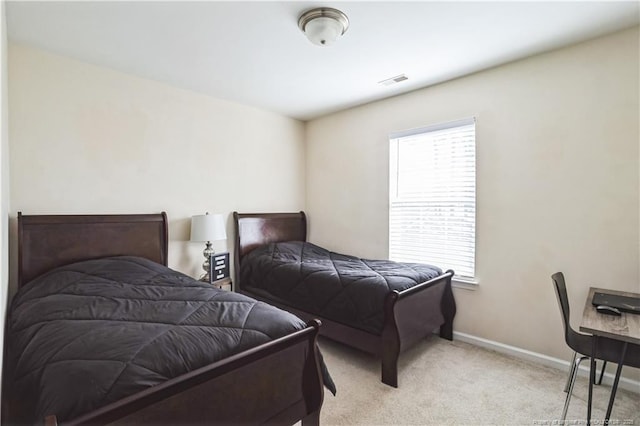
90 333
342 288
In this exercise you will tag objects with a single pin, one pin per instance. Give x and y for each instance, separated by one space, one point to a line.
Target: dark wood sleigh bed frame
409 316
278 382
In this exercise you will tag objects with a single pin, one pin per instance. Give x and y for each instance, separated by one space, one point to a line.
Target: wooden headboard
256 229
48 241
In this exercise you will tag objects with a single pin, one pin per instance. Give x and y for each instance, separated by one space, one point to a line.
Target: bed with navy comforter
87 334
378 306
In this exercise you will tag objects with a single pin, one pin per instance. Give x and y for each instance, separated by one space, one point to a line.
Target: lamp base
206 265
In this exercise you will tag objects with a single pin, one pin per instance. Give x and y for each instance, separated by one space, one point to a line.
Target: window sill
465 283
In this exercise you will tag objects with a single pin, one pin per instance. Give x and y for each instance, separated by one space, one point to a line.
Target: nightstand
224 284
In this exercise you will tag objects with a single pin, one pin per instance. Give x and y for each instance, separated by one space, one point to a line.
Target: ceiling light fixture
323 25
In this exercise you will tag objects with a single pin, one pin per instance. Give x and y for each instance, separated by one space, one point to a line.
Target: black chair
608 350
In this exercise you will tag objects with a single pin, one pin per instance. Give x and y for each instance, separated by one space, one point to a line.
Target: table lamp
207 227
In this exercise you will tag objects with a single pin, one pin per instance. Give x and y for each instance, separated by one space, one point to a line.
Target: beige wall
85 139
4 179
557 182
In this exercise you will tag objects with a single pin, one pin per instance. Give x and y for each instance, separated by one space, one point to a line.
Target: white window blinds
432 188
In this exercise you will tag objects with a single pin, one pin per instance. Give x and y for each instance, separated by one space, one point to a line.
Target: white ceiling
254 53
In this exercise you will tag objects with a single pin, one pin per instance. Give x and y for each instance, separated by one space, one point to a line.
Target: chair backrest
563 301
579 342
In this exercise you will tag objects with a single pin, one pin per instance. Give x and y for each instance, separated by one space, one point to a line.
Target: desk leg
615 382
592 377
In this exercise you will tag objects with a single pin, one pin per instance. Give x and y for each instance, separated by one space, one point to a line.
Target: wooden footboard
277 383
427 306
413 314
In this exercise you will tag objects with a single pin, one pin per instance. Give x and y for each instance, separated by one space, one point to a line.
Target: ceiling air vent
393 80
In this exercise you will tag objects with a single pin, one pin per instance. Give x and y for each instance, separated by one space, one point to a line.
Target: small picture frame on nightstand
219 273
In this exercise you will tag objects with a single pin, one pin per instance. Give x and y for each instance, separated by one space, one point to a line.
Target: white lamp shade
208 227
323 31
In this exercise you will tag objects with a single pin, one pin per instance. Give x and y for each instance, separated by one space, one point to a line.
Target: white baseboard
625 383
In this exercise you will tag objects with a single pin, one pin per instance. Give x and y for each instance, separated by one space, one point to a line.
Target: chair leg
574 373
604 365
572 365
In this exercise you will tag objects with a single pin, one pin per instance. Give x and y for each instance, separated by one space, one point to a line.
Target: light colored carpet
455 383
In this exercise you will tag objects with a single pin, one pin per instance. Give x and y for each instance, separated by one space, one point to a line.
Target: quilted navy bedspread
338 287
90 333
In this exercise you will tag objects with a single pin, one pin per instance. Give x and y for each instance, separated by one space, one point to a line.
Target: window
432 190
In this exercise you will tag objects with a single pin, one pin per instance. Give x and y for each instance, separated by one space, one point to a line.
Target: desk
625 328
